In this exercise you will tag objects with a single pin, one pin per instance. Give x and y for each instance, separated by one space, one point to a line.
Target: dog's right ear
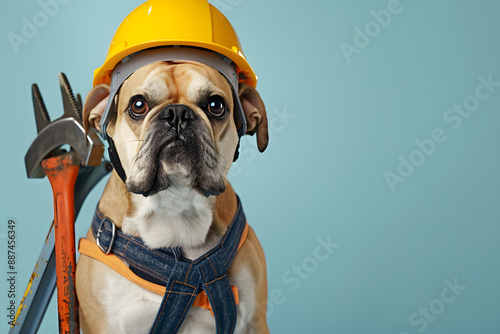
94 106
255 114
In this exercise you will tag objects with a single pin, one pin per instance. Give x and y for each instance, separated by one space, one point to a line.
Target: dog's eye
138 106
216 105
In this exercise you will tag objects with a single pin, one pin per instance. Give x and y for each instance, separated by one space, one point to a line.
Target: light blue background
337 127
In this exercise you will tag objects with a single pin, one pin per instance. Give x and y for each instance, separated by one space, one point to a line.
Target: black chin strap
237 152
115 160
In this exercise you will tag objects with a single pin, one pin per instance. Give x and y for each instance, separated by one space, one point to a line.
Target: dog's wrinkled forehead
176 81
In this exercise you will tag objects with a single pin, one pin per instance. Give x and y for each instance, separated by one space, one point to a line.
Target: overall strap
153 265
213 268
220 295
182 288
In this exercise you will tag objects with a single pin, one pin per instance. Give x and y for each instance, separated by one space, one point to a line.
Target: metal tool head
71 107
41 115
66 130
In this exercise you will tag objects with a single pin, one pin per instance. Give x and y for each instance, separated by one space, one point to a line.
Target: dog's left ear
255 114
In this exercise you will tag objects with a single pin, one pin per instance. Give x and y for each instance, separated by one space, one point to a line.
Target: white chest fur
178 217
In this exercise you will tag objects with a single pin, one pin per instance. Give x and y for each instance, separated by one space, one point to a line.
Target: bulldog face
173 126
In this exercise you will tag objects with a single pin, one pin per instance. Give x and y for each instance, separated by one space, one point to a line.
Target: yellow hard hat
194 23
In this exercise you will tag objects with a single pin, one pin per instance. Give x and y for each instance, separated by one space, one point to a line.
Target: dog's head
173 125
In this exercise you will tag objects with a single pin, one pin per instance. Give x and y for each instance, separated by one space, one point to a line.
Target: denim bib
183 278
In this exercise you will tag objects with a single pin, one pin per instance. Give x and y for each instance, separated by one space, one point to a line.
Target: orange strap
90 249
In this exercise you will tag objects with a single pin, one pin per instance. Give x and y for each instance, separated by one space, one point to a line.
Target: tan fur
116 202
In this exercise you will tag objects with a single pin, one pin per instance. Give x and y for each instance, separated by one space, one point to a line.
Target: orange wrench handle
62 172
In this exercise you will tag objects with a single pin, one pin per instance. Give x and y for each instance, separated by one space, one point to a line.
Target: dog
175 134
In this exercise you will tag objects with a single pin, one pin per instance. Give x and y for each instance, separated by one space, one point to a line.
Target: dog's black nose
176 114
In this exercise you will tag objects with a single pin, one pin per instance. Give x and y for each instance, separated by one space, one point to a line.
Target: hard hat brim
103 73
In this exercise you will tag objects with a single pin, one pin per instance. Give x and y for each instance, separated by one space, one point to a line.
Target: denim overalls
183 278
